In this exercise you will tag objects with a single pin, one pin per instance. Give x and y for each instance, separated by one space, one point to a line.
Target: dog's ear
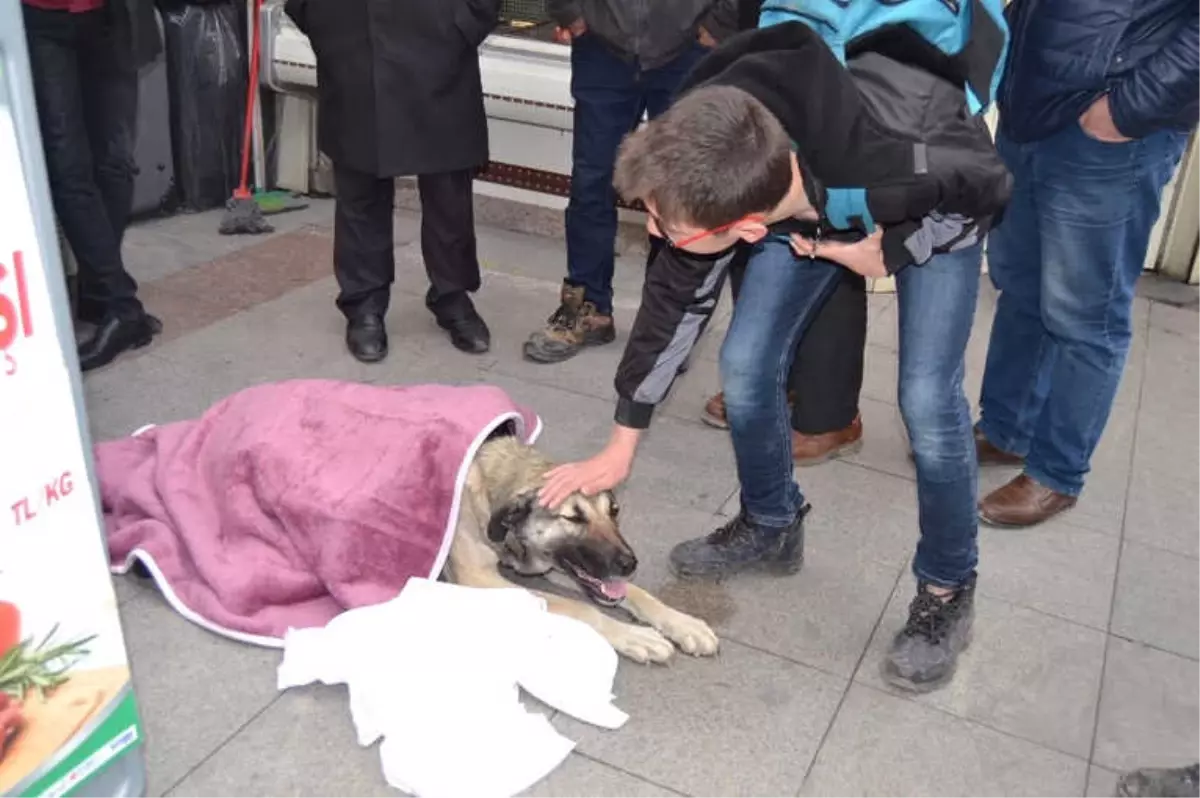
508 517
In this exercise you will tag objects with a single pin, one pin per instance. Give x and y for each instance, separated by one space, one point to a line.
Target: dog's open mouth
608 592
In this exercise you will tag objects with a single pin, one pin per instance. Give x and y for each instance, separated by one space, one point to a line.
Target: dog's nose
626 563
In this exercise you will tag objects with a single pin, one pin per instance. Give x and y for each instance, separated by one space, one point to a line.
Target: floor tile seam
1155 647
1112 604
914 698
623 770
850 682
1160 549
219 747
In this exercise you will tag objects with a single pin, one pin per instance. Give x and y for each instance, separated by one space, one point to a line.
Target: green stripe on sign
114 736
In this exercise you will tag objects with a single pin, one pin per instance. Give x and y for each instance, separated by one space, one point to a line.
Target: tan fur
504 469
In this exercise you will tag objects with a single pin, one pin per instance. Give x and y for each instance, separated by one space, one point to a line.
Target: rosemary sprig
39 668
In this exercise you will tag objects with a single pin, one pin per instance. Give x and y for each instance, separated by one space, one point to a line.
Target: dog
501 524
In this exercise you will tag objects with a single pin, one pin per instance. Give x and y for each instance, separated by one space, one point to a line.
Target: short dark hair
713 157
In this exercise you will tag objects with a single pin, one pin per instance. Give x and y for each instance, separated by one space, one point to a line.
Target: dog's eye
614 510
578 518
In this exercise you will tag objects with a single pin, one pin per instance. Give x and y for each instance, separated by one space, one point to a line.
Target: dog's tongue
613 589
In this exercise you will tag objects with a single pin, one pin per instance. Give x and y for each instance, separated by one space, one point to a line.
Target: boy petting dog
742 166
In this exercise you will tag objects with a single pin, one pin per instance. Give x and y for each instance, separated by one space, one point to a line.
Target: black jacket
398 82
1143 53
932 175
652 31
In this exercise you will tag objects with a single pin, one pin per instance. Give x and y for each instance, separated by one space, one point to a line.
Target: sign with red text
66 703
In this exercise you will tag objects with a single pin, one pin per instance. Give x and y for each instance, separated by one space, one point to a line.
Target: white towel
435 673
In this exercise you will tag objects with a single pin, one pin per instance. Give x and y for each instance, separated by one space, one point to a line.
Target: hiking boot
573 326
925 652
742 546
1170 782
813 449
714 411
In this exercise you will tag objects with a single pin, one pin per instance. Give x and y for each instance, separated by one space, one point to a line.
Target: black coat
398 82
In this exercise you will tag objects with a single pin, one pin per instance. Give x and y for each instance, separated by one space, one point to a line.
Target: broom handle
251 96
260 158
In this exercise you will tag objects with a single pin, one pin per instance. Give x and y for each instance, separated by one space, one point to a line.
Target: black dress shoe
456 314
115 335
468 332
366 338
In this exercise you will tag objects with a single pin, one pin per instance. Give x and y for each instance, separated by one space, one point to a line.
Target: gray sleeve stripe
945 233
653 389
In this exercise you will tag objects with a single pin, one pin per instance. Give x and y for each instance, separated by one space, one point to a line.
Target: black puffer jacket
1143 53
652 31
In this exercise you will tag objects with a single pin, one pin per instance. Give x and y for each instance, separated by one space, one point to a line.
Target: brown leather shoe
1023 502
812 449
714 411
990 454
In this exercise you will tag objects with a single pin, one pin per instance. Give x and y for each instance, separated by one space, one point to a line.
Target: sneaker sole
537 356
909 686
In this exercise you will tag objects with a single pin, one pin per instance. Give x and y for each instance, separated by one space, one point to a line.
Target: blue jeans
610 96
1066 259
778 299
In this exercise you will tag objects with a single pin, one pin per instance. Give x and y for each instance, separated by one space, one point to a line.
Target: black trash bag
206 73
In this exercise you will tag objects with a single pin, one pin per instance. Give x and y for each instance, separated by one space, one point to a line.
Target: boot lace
733 532
929 617
565 318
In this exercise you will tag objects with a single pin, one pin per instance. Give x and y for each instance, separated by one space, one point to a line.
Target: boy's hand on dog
863 257
603 472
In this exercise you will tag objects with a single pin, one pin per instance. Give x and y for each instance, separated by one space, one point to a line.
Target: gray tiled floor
1085 656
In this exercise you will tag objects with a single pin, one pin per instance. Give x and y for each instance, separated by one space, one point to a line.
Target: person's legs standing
363 258
937 307
1019 350
827 375
608 104
70 65
1098 203
451 261
778 297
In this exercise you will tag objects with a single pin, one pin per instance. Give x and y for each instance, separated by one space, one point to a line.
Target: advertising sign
67 708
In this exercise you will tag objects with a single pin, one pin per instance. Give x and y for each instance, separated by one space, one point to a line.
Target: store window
528 19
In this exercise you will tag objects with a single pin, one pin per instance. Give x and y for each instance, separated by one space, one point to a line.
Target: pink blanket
287 503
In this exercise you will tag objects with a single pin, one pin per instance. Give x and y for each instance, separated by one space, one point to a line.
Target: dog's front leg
638 643
691 634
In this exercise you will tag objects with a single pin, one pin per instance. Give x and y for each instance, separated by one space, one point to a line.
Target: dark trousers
87 92
363 249
610 94
827 370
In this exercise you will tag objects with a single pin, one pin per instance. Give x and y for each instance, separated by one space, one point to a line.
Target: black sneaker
1172 782
742 546
925 652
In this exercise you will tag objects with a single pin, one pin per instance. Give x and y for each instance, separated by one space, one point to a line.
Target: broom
243 216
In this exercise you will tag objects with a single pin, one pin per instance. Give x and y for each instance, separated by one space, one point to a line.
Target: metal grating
524 11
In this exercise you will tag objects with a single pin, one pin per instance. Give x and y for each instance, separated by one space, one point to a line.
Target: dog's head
581 537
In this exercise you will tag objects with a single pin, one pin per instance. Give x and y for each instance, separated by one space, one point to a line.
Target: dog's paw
692 635
640 643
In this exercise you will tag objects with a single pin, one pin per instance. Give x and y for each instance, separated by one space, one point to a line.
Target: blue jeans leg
1097 204
608 104
1015 379
780 293
937 306
660 84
